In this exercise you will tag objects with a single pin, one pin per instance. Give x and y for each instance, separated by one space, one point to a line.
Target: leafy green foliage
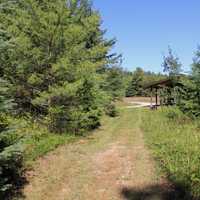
6 103
139 79
187 95
54 60
59 52
170 95
10 153
135 87
20 145
10 169
111 110
189 98
114 83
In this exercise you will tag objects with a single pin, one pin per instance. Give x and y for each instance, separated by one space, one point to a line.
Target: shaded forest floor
113 163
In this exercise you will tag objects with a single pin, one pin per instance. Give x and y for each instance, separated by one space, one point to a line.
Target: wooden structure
156 85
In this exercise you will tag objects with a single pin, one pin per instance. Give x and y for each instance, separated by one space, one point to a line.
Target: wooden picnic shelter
156 86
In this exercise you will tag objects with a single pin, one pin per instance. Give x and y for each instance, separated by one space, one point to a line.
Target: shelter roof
159 84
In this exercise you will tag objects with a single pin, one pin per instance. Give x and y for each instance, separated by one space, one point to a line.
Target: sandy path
139 104
112 164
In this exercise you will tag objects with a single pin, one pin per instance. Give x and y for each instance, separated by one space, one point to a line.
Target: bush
111 110
11 169
11 159
74 121
22 142
58 120
91 120
3 122
174 113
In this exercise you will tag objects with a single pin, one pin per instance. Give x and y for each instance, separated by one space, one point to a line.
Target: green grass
175 143
35 139
38 146
113 153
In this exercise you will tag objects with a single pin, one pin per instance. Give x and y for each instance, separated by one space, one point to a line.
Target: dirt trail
112 164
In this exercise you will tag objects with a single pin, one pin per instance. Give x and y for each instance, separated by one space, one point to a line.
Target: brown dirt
113 164
139 99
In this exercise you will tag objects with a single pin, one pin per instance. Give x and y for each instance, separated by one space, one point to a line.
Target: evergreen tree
135 87
191 92
56 48
171 64
10 156
114 82
6 103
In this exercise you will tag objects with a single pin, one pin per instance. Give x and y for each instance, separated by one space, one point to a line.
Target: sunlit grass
175 144
36 139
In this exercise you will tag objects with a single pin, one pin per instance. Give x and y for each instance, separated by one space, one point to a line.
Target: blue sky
145 28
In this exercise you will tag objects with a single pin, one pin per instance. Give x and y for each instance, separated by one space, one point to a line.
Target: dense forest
58 78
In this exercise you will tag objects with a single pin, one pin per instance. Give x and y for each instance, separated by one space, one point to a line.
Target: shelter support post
156 97
151 97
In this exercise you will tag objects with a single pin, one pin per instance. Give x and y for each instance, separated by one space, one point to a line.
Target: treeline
55 71
185 89
185 92
140 78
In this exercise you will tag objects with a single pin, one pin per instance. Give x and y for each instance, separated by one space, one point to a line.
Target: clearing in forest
111 164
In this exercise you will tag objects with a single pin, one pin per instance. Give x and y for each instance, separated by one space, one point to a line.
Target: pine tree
135 86
114 83
56 48
6 103
171 64
192 88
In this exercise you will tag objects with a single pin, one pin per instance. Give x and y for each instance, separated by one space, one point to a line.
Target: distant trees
196 71
114 82
186 92
139 79
192 103
172 66
190 93
171 63
135 86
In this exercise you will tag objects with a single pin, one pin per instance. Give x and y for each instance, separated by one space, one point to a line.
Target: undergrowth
175 141
21 142
35 138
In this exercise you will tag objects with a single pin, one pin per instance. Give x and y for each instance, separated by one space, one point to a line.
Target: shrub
73 121
91 120
173 113
58 120
111 110
3 122
11 165
11 159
